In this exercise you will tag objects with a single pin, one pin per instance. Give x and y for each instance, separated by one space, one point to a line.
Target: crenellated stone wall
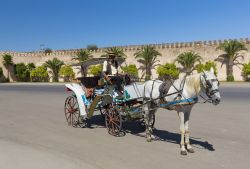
169 51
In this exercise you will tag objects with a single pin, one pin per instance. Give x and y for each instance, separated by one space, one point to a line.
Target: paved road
34 134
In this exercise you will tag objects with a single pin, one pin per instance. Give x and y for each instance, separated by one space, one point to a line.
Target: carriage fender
80 96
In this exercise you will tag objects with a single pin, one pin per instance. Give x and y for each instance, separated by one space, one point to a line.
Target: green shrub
67 73
131 70
206 67
21 72
39 74
167 71
246 71
95 69
30 66
230 78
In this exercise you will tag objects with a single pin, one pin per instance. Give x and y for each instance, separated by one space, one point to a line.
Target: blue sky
28 25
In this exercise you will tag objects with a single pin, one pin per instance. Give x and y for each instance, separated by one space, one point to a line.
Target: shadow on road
136 129
162 135
170 137
97 121
166 136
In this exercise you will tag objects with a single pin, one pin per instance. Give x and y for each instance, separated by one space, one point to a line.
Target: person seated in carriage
88 91
110 72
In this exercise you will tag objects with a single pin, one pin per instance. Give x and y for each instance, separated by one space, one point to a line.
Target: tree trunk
55 78
188 71
230 67
8 74
83 71
148 74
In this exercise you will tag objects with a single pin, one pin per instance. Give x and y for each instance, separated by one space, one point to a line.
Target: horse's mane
193 81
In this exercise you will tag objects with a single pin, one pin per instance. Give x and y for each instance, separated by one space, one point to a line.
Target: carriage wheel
143 123
72 113
113 122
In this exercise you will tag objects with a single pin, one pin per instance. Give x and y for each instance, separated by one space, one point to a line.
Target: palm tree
1 74
231 56
188 61
54 66
118 52
30 66
147 56
7 62
82 56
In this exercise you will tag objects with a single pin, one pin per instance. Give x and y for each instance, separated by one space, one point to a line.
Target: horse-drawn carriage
140 101
105 98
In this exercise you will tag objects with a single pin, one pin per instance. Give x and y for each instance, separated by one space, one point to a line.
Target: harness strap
205 100
189 101
151 93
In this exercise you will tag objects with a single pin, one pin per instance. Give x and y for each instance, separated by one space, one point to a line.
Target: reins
205 100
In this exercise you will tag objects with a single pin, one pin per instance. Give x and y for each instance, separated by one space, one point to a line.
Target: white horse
181 96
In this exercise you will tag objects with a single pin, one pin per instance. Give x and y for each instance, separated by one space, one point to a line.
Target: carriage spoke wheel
102 111
72 113
113 122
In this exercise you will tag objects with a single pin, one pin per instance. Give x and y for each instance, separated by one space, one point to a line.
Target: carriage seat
89 82
126 80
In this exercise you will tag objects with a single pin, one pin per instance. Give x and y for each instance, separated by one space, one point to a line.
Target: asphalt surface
34 134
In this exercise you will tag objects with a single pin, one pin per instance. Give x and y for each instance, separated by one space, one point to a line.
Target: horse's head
210 86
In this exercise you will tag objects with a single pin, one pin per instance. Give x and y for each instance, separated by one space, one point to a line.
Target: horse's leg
187 133
182 130
146 119
151 116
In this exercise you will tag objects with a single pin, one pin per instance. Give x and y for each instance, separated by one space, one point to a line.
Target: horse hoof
149 139
190 150
183 152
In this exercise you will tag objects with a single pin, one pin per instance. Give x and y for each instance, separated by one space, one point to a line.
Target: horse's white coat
193 86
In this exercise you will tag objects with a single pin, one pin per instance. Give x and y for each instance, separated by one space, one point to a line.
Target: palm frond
83 55
188 60
147 56
236 62
238 56
231 56
118 52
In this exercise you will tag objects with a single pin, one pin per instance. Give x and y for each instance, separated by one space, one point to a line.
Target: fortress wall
169 51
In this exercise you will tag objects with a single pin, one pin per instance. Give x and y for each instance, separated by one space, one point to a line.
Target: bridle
209 85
